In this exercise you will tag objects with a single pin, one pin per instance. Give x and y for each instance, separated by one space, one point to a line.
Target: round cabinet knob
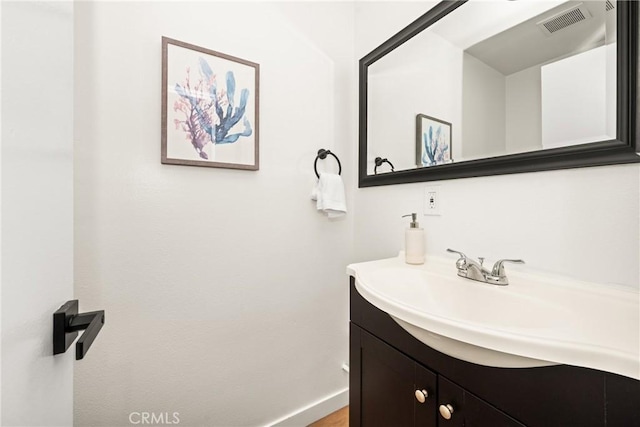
446 411
421 395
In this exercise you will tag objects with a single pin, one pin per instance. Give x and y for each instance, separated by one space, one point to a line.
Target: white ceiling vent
564 19
610 6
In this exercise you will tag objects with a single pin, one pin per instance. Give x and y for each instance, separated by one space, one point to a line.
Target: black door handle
66 324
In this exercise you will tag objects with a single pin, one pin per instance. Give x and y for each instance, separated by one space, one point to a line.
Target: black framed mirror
433 143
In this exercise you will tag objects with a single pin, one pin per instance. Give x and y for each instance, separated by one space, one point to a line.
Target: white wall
414 79
37 209
523 111
582 223
379 20
225 291
392 128
0 218
483 110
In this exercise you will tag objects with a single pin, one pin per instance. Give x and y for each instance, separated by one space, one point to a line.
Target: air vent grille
564 19
609 6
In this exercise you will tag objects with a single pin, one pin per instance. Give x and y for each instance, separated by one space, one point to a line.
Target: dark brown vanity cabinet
397 391
392 372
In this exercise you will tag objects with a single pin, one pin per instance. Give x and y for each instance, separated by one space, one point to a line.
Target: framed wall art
209 108
433 141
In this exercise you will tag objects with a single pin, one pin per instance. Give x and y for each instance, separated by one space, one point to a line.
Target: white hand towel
329 194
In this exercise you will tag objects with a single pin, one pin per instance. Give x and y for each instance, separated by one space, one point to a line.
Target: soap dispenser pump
414 242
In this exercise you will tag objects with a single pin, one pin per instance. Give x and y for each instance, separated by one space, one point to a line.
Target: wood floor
340 418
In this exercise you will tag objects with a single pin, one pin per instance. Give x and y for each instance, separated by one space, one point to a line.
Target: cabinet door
384 383
425 412
467 410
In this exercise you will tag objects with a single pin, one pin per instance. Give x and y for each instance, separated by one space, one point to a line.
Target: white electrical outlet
432 200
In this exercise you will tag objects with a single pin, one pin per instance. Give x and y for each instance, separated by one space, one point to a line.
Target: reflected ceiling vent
564 19
610 6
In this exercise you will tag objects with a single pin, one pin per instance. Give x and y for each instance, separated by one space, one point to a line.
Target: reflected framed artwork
209 108
433 141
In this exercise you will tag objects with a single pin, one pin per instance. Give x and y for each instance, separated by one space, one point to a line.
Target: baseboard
315 411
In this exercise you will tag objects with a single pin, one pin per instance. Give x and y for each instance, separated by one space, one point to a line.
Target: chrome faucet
473 270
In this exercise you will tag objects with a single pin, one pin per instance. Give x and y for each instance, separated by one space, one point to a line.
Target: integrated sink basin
535 321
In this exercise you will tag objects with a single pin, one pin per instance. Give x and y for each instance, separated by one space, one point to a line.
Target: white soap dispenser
414 242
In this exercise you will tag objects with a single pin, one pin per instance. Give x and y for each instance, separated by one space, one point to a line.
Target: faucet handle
461 263
463 256
498 267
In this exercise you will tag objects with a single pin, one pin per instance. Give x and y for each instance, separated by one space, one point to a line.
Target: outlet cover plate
433 200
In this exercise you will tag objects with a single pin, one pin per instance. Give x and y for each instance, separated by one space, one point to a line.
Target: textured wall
225 291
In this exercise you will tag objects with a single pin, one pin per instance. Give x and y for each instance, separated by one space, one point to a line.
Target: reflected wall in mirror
538 83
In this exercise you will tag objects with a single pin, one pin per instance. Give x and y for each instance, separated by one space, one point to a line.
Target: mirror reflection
495 78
